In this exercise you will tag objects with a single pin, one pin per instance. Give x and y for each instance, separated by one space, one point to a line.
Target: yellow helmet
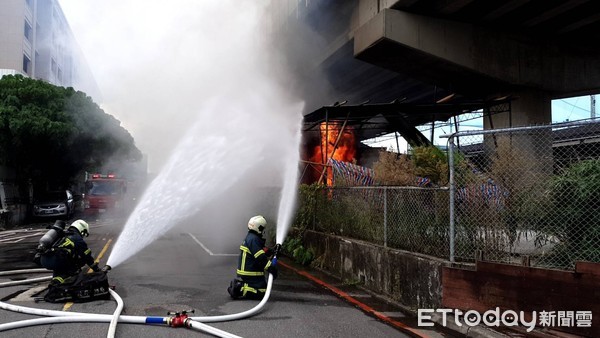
82 226
257 223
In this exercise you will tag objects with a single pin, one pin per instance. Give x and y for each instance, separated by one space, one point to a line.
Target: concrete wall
522 288
411 279
11 34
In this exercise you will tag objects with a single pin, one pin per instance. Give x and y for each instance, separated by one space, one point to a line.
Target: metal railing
408 218
528 195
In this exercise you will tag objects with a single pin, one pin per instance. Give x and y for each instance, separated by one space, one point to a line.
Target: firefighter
69 254
253 262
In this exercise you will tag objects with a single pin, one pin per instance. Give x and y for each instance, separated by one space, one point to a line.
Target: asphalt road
185 271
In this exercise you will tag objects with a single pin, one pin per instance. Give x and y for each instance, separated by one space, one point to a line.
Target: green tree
49 134
571 220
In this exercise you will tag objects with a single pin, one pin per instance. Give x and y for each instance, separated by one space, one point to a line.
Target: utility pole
593 106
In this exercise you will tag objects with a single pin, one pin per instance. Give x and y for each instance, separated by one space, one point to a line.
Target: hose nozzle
106 268
276 250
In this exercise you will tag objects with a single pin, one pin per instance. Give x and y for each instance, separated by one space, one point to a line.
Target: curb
413 332
478 331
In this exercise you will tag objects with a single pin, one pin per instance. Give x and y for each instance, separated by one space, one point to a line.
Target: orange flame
337 144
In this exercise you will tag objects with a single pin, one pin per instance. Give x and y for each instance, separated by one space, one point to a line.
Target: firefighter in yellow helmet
68 254
253 263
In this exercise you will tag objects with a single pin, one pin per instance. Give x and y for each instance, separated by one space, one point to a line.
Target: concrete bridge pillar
530 107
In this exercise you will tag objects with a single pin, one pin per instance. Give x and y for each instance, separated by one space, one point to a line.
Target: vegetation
293 247
394 169
49 134
307 202
431 162
504 200
416 219
571 218
402 170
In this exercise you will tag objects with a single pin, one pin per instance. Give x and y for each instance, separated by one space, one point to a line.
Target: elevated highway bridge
442 52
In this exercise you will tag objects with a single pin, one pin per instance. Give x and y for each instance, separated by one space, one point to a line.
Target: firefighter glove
272 270
95 267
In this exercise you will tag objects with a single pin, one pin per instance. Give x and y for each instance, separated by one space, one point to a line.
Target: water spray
289 191
178 319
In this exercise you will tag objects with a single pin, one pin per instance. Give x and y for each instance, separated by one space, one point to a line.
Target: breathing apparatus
50 238
55 233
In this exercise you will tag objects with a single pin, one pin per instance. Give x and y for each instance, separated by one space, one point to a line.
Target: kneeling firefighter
65 252
253 261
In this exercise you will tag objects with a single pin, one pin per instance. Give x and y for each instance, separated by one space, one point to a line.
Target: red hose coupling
178 320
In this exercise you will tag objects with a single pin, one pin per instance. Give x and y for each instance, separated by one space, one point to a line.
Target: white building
36 41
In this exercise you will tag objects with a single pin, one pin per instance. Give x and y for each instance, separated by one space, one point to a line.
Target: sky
563 110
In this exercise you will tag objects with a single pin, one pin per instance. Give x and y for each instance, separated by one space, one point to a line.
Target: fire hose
194 323
24 281
16 272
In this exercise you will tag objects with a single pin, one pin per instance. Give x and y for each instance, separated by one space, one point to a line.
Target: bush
394 169
432 163
294 248
572 219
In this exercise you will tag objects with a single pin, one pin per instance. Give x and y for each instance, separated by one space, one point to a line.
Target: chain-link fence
408 218
526 195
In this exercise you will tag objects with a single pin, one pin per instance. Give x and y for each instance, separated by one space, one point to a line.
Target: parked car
59 204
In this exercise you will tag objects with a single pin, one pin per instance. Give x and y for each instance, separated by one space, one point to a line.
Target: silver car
54 204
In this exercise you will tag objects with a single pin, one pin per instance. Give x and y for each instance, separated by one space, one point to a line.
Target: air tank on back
51 236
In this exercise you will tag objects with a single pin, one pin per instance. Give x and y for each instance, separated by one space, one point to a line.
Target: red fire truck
103 192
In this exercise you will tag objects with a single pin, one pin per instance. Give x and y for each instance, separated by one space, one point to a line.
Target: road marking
98 258
26 296
206 249
103 250
20 237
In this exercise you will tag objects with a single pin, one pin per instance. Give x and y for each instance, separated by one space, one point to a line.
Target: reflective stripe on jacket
76 248
252 261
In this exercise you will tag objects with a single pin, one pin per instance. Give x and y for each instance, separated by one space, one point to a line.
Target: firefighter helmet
82 226
257 223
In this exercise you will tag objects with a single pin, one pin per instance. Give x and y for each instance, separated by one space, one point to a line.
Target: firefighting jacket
253 261
75 249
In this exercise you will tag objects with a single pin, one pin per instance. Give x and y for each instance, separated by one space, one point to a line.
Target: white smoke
193 83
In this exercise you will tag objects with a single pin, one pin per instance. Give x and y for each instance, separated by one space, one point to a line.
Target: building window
59 75
37 60
53 66
26 64
28 31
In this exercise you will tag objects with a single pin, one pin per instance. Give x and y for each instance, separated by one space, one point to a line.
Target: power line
574 105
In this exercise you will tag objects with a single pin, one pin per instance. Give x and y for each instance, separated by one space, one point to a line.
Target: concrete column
531 107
